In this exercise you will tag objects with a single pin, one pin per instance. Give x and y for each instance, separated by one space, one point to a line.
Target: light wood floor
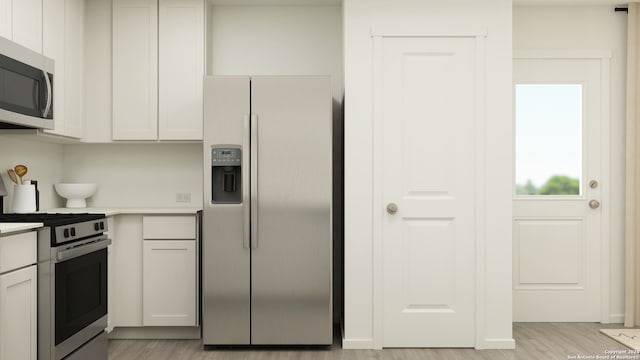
534 341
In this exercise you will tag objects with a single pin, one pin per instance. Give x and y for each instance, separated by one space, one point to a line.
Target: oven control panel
79 230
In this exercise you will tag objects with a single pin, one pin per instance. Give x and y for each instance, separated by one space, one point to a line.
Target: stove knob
101 225
66 233
73 231
96 227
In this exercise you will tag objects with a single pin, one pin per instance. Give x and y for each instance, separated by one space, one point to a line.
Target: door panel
428 130
291 257
556 235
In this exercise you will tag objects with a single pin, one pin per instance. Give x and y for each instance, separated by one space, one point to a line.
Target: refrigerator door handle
246 207
254 181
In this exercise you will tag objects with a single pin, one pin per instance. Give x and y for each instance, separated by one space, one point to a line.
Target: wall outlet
183 197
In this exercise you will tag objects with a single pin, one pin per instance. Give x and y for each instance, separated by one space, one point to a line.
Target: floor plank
534 341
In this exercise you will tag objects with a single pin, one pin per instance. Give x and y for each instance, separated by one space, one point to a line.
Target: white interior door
428 123
556 208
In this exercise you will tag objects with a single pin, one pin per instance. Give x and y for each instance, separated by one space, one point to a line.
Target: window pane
548 139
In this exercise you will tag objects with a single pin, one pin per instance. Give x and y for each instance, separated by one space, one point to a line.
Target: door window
548 139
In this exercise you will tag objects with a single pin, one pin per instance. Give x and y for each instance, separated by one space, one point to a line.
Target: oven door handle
83 250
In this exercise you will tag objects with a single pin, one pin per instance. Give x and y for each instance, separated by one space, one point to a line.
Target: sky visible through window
548 137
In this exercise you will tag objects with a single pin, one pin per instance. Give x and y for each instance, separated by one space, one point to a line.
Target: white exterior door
428 111
557 226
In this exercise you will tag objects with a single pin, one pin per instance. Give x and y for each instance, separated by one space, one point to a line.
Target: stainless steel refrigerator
266 241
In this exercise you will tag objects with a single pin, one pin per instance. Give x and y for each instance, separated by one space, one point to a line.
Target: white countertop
7 228
111 211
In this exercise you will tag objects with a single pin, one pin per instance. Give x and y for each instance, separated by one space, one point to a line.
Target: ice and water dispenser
226 175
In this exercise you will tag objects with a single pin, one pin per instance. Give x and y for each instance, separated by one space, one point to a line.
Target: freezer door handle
245 176
254 181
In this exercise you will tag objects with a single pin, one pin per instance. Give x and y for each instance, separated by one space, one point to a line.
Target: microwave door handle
47 107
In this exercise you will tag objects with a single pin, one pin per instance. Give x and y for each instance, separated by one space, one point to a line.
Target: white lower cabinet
169 289
18 297
126 290
153 271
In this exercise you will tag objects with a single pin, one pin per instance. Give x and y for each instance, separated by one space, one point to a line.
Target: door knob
392 208
594 204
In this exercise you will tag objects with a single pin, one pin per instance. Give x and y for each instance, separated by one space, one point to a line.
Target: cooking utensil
12 176
21 171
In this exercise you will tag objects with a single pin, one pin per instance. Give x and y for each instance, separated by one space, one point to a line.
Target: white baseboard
487 344
357 344
153 332
616 318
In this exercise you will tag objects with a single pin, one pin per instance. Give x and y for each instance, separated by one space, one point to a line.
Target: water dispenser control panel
225 157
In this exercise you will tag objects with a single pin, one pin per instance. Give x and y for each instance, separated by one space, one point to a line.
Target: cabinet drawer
169 227
17 251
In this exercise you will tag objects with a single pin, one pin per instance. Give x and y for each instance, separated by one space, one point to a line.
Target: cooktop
51 219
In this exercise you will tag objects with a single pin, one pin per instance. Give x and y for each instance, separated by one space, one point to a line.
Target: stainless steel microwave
26 88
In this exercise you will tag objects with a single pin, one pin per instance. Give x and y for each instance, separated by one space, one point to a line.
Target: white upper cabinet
53 47
181 68
158 64
74 68
135 69
6 19
21 21
63 41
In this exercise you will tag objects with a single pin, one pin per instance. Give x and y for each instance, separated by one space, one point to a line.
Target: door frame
604 57
377 36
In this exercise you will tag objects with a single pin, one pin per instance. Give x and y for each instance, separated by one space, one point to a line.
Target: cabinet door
53 47
135 70
126 309
6 19
74 63
27 23
169 283
181 68
18 311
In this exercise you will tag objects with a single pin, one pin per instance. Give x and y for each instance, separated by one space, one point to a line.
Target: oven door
80 294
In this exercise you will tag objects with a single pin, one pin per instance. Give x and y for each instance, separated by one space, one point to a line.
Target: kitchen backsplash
135 175
44 161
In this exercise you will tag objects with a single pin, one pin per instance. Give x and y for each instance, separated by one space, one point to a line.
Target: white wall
136 175
590 28
276 40
494 329
44 161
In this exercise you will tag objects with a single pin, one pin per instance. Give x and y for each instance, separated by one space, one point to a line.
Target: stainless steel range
72 285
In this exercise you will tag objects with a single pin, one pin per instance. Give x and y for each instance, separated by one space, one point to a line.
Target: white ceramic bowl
76 194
